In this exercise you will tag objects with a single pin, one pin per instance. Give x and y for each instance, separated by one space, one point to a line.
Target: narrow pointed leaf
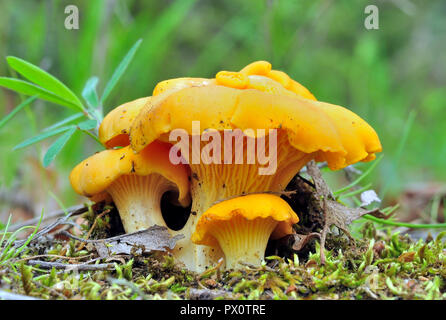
90 94
16 110
64 121
119 71
56 147
42 136
360 178
42 78
30 89
88 125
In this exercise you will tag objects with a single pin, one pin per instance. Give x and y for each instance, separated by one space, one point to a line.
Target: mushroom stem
138 200
244 240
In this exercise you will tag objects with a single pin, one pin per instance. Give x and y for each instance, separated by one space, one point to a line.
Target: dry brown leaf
334 212
407 257
155 238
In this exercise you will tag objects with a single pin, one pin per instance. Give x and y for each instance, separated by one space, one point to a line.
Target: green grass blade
17 252
64 122
16 110
89 92
7 251
355 192
59 202
30 89
42 136
360 178
119 71
166 23
402 144
45 80
405 224
6 230
435 207
56 147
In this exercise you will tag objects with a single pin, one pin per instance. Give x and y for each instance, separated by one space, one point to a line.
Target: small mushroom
242 226
135 182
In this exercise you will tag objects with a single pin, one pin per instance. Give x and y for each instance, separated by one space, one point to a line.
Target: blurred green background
382 75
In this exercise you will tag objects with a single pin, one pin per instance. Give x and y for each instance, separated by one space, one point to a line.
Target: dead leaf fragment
334 212
155 238
301 240
407 257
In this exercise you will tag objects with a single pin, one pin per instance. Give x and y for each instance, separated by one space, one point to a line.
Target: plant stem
405 224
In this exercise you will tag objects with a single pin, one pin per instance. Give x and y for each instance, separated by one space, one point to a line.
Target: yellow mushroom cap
95 174
257 75
334 133
180 83
264 68
114 129
250 207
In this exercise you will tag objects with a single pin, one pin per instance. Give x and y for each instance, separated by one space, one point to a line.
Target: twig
81 246
49 216
78 267
207 294
53 256
209 272
319 165
53 225
69 235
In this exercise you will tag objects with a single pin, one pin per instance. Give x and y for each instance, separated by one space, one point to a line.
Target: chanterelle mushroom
136 182
242 226
255 98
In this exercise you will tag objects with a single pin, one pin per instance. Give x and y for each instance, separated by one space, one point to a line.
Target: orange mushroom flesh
242 226
114 129
255 98
135 182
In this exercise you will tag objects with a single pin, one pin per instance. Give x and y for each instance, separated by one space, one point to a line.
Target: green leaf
64 121
43 136
16 110
119 71
90 94
56 147
88 125
30 89
42 78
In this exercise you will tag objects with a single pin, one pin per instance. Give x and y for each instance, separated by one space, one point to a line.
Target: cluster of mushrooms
234 210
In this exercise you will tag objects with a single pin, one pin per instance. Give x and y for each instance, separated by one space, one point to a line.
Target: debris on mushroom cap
136 182
114 129
243 225
264 68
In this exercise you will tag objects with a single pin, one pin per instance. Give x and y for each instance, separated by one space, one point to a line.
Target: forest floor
65 260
